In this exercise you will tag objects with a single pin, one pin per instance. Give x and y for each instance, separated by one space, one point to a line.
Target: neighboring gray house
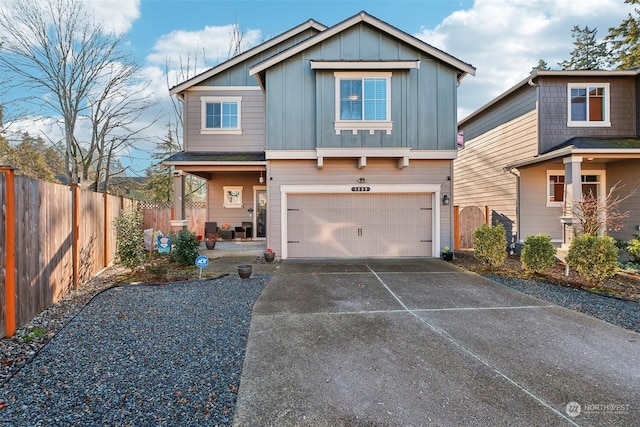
333 142
547 141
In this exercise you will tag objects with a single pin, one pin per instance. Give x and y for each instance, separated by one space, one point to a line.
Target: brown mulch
623 285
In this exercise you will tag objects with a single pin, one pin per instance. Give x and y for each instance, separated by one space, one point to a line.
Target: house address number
360 188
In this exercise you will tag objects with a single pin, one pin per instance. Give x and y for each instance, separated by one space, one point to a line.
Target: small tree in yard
594 257
538 253
185 248
490 244
594 214
129 238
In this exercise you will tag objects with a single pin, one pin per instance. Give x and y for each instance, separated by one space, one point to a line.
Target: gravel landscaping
162 355
614 310
169 354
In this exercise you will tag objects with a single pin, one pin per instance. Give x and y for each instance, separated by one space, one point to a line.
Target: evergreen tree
159 187
625 41
542 66
31 158
588 53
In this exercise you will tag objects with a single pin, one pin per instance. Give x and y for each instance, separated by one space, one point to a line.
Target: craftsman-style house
533 151
328 141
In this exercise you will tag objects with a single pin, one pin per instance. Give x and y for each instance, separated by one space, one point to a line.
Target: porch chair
210 228
248 229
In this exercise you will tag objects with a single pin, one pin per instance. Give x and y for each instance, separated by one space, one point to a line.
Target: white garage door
359 225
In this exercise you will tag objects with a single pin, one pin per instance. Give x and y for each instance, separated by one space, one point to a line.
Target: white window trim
549 173
607 105
601 181
204 100
357 125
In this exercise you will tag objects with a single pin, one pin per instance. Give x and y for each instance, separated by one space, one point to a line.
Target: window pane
375 99
596 104
350 100
578 105
213 116
556 188
229 115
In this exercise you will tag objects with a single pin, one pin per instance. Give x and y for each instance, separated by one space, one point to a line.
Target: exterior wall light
445 199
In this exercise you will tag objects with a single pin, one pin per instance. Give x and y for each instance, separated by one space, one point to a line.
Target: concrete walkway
421 342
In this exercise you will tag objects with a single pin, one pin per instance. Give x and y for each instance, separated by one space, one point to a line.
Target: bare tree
57 51
594 214
115 116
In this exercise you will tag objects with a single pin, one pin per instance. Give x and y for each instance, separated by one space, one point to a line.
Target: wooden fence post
456 227
486 215
75 219
105 231
10 252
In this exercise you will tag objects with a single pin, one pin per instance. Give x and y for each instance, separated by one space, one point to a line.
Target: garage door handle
426 241
293 241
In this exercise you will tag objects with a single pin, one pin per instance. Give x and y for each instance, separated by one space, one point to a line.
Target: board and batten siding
252 122
479 175
554 110
345 171
301 101
238 75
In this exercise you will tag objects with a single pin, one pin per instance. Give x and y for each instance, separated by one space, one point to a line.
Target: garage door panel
359 225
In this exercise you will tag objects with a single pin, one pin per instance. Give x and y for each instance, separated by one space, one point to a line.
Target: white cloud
116 15
504 39
210 43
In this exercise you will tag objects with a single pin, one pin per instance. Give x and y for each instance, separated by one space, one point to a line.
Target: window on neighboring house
221 115
363 102
555 187
589 105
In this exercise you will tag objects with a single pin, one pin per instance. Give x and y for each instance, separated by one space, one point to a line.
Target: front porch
254 248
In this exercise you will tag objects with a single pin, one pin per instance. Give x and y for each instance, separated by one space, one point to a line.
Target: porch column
572 196
179 220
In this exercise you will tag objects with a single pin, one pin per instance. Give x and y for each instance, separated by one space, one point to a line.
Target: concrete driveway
421 342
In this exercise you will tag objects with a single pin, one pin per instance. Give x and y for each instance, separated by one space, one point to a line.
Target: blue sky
503 39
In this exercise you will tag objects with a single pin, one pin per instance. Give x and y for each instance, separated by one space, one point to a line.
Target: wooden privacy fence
159 215
54 238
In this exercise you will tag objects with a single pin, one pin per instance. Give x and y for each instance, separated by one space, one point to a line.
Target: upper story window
588 104
363 102
220 115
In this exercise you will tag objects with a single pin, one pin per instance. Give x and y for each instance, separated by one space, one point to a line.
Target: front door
261 213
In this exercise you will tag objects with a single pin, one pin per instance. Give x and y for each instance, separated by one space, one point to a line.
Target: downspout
515 172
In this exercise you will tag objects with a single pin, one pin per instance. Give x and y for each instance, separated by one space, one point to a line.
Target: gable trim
462 67
246 55
364 65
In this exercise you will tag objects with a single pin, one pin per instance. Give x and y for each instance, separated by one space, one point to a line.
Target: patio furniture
248 229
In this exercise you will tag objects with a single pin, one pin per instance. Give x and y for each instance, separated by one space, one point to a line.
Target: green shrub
595 258
185 248
490 244
633 247
538 253
129 238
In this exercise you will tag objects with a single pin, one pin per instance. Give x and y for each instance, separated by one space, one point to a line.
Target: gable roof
462 67
531 80
310 24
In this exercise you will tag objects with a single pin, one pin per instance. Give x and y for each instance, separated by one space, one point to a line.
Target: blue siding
301 101
239 74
